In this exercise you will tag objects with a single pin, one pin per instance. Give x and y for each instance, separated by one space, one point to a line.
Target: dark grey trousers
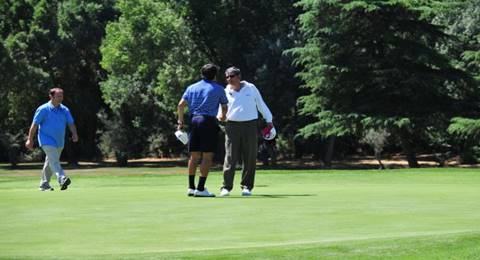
241 144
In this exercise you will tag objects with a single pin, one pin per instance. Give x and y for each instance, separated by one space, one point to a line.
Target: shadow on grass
267 196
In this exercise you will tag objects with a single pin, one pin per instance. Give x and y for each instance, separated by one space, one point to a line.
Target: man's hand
180 125
29 144
221 118
75 137
270 125
180 108
31 134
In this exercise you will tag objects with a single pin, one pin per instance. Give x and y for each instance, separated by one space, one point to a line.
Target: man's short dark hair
209 71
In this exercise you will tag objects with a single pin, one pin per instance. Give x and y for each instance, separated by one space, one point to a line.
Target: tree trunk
13 157
71 155
327 159
409 152
122 158
378 156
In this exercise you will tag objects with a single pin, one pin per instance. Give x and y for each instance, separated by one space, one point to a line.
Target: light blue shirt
52 122
204 97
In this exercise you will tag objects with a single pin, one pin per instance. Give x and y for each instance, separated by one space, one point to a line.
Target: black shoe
64 183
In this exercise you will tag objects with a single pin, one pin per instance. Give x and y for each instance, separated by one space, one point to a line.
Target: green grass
144 213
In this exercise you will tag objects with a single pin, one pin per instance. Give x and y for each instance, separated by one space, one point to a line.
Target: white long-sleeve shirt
243 105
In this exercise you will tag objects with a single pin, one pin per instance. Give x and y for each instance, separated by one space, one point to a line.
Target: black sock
191 181
201 183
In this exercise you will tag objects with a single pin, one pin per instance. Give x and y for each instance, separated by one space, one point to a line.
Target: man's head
233 75
209 71
56 96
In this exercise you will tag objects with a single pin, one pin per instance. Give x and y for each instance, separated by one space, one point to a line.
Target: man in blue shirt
51 120
203 99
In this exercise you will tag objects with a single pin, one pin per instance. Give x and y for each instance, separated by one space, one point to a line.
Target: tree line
339 76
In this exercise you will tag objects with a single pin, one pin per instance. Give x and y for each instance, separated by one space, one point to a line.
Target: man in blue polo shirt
203 99
51 120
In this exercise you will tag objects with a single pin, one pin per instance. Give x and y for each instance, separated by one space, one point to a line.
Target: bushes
466 133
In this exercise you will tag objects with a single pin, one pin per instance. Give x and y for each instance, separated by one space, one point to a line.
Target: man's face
232 78
57 98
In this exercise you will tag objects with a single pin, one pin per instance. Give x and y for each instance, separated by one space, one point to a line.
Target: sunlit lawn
144 213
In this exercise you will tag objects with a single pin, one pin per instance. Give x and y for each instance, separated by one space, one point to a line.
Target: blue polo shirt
204 97
52 122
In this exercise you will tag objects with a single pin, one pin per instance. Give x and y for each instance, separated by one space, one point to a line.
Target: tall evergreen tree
377 60
462 19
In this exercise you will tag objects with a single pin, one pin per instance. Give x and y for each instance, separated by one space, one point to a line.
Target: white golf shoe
190 192
246 192
203 193
224 192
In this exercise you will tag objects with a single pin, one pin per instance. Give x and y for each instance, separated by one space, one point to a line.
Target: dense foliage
46 44
332 71
376 64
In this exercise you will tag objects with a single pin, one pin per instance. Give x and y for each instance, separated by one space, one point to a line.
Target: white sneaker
224 192
203 193
246 192
190 192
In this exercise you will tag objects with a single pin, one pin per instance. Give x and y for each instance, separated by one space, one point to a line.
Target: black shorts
203 134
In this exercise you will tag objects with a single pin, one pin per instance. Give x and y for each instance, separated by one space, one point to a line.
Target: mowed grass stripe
444 246
120 214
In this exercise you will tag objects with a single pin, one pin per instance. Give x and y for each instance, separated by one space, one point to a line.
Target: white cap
182 136
270 135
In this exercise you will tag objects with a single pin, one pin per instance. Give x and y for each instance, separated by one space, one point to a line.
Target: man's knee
195 156
207 156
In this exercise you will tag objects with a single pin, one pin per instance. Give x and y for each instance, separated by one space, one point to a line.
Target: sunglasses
230 76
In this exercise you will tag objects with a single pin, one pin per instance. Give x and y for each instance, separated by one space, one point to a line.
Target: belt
207 116
248 121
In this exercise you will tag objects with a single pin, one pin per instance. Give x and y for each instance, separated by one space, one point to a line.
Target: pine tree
377 60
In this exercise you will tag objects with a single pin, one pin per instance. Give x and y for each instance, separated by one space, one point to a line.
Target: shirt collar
242 85
51 106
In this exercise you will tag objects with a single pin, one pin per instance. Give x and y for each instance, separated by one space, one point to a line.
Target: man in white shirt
244 102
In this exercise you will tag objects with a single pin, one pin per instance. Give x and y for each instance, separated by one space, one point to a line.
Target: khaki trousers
52 163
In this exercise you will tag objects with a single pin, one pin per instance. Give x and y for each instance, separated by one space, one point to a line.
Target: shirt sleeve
223 97
261 106
186 95
69 116
39 115
219 113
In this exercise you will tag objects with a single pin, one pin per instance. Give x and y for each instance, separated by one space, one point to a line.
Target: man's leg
194 141
208 130
192 168
207 159
63 179
53 154
46 173
46 176
232 153
249 154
